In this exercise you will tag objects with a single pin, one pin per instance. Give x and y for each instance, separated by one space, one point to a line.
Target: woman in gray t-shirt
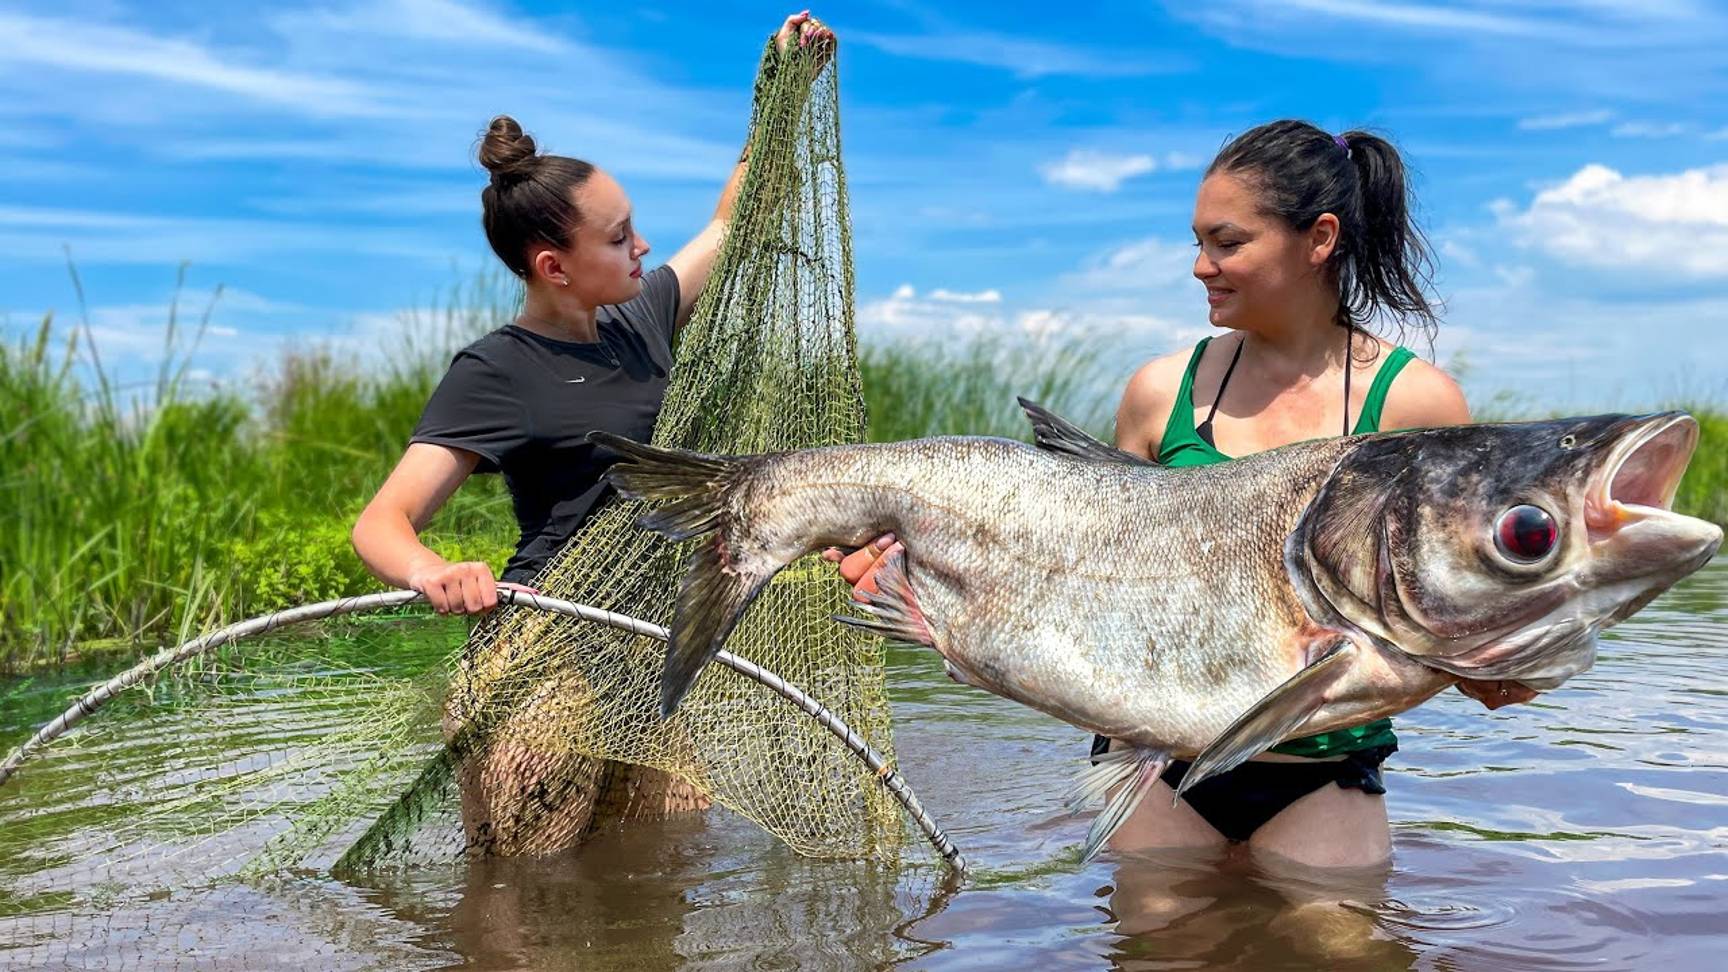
592 349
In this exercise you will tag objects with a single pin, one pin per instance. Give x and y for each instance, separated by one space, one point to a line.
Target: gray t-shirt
525 404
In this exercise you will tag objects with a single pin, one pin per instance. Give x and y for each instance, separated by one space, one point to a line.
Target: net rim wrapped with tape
97 698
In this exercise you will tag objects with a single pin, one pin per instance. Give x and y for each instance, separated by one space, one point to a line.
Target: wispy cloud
1150 264
904 313
350 84
1646 129
1570 119
80 45
434 20
1587 22
990 296
1024 57
1661 52
1095 171
1448 19
94 236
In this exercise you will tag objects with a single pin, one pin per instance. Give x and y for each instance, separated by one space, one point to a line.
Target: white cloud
434 20
1422 17
80 45
991 296
1500 52
1025 57
1601 218
1150 264
1456 252
37 235
1529 347
905 314
1572 119
394 83
1644 129
1096 171
1182 160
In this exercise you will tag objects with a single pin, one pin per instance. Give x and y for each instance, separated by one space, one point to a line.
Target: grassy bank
134 513
138 514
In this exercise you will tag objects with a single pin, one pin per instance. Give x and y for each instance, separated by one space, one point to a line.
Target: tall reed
120 498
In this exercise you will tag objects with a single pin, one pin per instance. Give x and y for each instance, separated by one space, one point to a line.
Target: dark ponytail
529 200
1382 261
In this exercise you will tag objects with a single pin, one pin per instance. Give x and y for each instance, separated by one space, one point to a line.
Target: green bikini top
1183 446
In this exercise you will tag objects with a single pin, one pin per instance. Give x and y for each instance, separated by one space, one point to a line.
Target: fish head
1501 551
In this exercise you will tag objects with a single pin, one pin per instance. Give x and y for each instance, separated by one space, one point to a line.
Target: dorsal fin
1053 433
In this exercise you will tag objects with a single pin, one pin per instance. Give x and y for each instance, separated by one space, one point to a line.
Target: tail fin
696 483
721 582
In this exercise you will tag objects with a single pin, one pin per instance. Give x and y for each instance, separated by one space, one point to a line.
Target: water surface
1588 829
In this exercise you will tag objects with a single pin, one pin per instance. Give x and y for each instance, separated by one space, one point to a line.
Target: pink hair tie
1341 143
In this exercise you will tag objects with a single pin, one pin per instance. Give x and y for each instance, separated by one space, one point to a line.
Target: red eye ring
1525 533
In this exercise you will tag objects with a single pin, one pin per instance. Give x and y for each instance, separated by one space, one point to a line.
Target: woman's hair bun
506 151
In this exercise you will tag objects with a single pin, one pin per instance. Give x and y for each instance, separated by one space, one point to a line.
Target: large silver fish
1209 612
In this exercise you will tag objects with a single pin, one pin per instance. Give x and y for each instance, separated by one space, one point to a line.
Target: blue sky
1012 167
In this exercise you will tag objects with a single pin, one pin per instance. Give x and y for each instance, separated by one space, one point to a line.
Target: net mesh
279 765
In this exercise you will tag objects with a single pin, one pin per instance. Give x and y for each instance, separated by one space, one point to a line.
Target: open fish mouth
1642 474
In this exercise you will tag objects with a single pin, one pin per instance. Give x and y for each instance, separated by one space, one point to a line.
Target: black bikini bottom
1238 802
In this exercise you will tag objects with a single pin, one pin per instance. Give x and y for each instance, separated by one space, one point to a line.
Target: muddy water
1586 830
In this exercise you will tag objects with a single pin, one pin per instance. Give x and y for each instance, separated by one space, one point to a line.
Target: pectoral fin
1273 717
1132 773
893 610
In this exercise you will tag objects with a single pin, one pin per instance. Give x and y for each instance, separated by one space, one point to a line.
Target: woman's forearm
729 192
389 546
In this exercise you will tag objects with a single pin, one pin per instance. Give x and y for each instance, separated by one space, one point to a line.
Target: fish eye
1525 533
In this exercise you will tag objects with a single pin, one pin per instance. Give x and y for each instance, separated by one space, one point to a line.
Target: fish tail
726 570
696 484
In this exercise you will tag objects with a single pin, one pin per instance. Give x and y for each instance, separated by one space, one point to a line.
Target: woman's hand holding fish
1495 694
860 566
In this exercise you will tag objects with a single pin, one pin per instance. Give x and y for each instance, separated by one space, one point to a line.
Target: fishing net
281 766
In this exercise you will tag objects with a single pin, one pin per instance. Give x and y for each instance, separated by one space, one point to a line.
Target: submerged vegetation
136 514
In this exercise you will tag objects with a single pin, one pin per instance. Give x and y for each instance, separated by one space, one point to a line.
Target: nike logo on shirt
572 381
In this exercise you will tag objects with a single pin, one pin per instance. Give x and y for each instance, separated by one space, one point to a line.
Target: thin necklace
599 335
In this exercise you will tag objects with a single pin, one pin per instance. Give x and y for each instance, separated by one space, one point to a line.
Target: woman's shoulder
1147 401
1422 395
1156 381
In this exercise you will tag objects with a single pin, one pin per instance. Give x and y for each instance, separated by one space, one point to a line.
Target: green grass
1704 491
914 389
135 515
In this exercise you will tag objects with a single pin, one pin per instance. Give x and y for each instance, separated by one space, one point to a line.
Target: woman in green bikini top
1304 242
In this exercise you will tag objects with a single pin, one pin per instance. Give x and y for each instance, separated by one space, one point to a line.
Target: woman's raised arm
695 259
